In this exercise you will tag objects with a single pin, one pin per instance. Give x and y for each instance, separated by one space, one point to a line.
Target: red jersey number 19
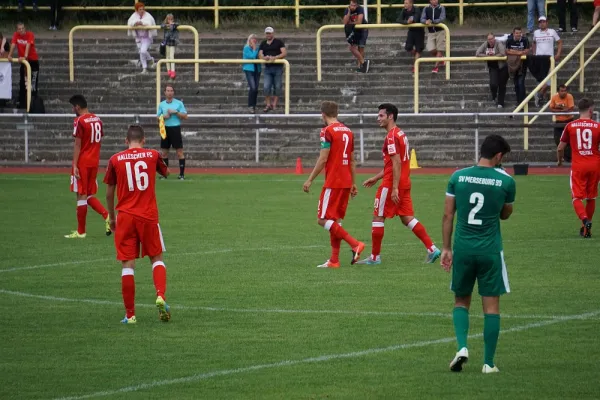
346 140
96 135
584 139
137 172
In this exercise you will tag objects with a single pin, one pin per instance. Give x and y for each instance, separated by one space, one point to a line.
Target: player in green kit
480 196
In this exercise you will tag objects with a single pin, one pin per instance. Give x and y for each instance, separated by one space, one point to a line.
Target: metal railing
379 26
471 59
216 8
28 71
286 66
474 122
126 28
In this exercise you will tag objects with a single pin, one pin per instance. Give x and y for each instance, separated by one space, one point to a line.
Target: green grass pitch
254 319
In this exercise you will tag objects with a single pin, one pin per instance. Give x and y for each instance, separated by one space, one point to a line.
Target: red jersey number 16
139 173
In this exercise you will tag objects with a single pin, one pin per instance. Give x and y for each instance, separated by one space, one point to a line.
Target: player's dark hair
330 109
168 85
517 28
135 133
492 145
390 109
78 100
563 86
585 104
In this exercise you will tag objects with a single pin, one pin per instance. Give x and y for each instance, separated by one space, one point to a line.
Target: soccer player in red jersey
88 134
337 157
583 135
133 173
393 196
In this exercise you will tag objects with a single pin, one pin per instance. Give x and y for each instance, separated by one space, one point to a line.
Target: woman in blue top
252 71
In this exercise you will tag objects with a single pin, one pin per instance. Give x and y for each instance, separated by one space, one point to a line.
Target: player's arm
346 18
162 168
359 19
76 153
323 155
372 181
558 50
447 228
506 212
396 170
110 204
182 112
354 189
560 152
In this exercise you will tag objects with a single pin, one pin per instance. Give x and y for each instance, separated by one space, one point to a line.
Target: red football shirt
584 137
21 42
133 171
340 141
396 142
88 128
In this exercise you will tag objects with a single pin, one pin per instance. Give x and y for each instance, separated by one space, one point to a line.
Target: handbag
162 49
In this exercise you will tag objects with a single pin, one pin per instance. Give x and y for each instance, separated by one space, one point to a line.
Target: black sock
181 166
166 161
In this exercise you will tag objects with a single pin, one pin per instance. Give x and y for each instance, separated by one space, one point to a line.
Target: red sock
419 230
579 209
81 215
128 291
340 233
377 237
335 248
590 208
97 206
159 275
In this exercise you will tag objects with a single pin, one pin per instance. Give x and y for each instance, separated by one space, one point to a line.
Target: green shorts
489 271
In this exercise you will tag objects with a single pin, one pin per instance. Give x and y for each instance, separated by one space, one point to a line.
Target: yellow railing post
126 28
378 11
28 71
297 12
582 74
461 12
379 26
216 5
285 63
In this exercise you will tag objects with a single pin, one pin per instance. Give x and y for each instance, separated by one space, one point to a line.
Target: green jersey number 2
476 199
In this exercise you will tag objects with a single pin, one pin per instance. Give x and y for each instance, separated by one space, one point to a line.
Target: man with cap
272 49
543 45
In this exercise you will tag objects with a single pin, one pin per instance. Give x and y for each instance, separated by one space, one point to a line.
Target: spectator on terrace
532 7
356 38
562 102
4 48
55 14
543 48
252 71
170 40
562 15
434 13
143 37
596 16
25 42
415 38
272 49
517 46
498 69
22 5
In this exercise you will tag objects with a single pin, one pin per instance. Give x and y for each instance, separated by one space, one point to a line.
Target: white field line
275 310
311 360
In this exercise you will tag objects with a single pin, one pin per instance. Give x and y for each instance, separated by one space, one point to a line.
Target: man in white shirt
543 45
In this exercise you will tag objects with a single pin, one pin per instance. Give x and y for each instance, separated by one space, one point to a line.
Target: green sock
460 316
491 331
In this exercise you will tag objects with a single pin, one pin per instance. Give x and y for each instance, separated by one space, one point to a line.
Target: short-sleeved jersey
396 143
165 106
21 42
338 138
133 171
544 41
584 137
88 128
480 194
354 14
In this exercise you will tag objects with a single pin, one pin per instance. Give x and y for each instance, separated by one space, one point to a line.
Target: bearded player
337 157
133 173
393 196
583 135
88 135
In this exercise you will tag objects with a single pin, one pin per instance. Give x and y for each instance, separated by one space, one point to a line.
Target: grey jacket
499 50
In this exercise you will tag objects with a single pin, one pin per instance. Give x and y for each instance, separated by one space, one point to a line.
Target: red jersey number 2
346 140
137 177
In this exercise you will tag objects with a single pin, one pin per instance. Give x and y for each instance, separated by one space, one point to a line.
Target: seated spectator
562 102
498 69
143 37
517 46
434 13
252 71
415 38
357 38
543 48
170 41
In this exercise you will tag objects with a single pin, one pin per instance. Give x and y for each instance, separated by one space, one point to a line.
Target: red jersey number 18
96 132
584 139
141 177
346 140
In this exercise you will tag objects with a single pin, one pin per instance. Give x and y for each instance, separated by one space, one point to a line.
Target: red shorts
385 207
333 203
584 184
86 184
133 233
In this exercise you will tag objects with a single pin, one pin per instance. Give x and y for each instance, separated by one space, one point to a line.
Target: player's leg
406 213
127 244
332 207
176 140
593 179
463 281
181 158
79 186
128 291
153 246
93 202
492 280
165 145
578 181
383 208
